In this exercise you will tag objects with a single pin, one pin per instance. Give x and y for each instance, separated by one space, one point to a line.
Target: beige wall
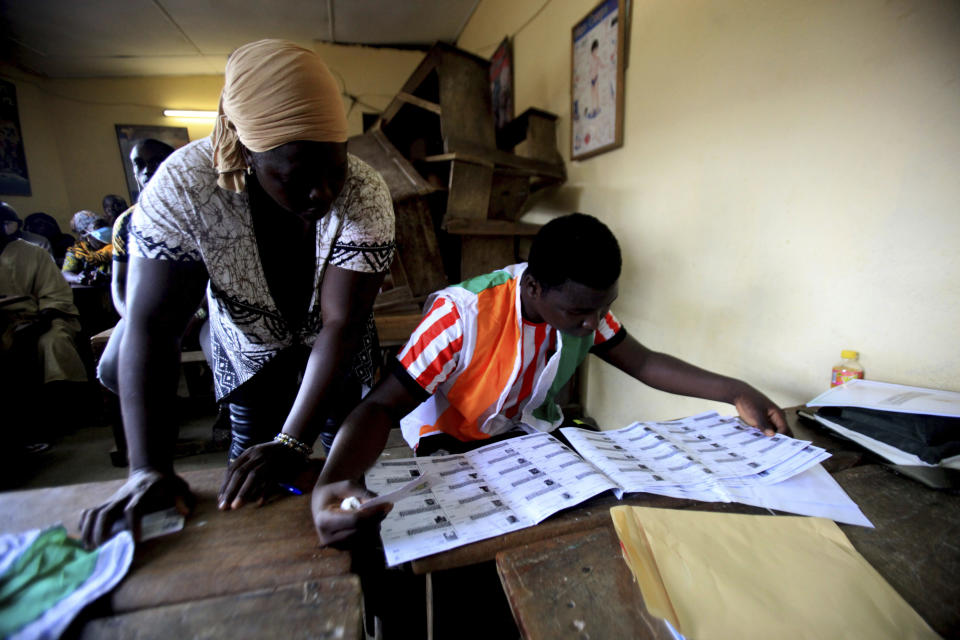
69 136
49 192
68 124
787 188
374 76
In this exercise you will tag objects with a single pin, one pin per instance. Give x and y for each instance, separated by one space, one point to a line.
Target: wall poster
501 83
596 87
14 180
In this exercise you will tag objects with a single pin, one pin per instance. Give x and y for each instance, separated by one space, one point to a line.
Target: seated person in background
14 228
146 156
291 238
113 206
46 225
88 261
37 335
83 221
491 353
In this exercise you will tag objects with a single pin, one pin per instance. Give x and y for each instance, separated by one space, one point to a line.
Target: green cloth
485 281
49 570
573 351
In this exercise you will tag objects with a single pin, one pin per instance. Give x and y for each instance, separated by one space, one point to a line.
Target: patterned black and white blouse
183 215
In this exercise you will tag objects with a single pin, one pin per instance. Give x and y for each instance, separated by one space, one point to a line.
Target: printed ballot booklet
517 483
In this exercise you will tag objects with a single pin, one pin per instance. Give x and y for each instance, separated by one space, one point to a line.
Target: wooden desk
217 554
576 585
325 608
580 583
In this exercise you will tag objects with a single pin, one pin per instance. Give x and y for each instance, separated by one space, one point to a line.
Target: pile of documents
448 501
703 457
904 425
719 575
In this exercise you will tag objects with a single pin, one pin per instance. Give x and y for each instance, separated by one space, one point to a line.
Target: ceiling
94 38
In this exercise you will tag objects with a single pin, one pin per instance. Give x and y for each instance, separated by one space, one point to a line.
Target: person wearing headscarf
291 237
88 261
83 221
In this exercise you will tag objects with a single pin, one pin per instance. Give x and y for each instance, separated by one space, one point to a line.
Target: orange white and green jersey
482 368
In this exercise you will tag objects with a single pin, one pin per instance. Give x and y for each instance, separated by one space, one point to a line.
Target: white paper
886 396
414 487
702 455
160 523
516 483
812 493
493 490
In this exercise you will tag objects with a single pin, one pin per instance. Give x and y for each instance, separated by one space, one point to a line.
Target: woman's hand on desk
256 472
335 524
757 410
145 491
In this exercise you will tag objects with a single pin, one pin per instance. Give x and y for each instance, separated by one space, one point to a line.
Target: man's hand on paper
145 491
335 524
757 410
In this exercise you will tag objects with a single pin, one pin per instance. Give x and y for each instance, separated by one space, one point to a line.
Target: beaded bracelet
293 443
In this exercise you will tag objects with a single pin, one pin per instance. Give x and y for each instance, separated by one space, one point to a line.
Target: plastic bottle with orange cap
847 369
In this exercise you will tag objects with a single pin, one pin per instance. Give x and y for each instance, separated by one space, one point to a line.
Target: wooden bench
98 342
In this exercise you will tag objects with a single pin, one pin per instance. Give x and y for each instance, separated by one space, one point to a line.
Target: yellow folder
721 576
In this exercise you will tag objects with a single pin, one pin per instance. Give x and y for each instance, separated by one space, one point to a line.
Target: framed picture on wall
129 134
14 180
596 84
501 83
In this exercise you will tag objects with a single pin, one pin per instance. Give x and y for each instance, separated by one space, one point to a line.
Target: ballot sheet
493 490
517 483
703 455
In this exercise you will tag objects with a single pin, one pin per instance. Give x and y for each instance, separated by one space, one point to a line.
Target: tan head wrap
274 92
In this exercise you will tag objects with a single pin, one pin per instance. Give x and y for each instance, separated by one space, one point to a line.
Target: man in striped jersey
490 355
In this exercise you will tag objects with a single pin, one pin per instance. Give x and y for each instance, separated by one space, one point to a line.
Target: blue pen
289 488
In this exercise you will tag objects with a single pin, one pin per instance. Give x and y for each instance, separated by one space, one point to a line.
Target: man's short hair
146 143
575 247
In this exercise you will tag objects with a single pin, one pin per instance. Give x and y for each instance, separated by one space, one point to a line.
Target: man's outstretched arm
359 442
666 373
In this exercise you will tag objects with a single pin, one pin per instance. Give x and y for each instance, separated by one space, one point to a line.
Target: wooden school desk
577 585
226 572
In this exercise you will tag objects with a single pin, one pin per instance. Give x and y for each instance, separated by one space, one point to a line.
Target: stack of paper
516 483
886 396
893 398
493 490
703 457
718 576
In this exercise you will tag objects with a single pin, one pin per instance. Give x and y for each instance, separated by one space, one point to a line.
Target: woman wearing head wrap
88 261
83 221
295 236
